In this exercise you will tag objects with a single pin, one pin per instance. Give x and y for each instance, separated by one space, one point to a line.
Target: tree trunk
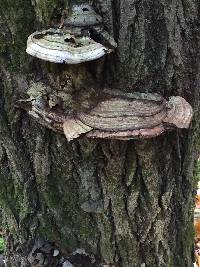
126 203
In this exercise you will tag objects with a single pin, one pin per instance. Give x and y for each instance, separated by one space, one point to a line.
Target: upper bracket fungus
114 115
82 38
82 15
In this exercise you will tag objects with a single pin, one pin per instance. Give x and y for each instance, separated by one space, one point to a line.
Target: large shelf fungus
82 38
113 115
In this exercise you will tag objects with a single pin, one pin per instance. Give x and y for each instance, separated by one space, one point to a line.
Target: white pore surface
67 264
58 56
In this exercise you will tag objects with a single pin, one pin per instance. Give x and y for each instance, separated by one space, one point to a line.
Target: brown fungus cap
117 116
179 113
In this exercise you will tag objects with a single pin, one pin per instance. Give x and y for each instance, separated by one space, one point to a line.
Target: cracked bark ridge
119 116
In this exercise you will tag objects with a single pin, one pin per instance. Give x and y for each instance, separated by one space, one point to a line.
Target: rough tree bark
143 189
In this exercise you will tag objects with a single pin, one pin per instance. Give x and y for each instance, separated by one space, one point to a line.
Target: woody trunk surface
124 202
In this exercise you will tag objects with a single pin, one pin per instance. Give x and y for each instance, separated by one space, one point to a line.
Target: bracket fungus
82 15
82 38
114 116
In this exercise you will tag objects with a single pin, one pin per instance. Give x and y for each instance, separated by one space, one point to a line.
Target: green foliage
2 245
197 170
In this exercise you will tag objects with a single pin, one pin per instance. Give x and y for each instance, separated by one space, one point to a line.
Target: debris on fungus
114 116
81 39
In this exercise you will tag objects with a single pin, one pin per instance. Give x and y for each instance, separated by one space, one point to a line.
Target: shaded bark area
124 202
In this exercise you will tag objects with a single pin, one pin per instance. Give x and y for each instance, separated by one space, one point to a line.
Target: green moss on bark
18 21
44 10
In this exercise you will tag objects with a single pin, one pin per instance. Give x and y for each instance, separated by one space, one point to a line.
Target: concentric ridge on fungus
117 116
